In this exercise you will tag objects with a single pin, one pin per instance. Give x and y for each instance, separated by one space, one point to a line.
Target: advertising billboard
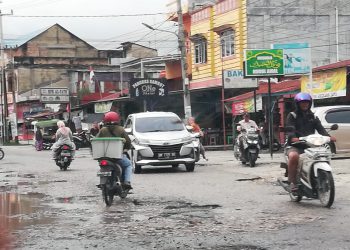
325 84
147 87
297 57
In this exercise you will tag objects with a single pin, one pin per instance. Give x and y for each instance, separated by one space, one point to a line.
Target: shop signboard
325 84
54 95
103 107
147 87
246 105
234 79
263 62
297 58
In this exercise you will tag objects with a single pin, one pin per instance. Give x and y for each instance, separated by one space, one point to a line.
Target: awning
197 37
220 28
277 89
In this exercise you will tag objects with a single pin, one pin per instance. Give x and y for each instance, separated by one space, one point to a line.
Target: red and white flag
92 75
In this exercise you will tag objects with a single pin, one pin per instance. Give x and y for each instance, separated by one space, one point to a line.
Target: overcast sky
101 32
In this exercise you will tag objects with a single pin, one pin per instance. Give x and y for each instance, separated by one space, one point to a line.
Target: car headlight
186 139
187 142
144 142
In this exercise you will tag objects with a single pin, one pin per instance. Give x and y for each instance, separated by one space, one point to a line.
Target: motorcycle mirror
189 128
128 130
334 127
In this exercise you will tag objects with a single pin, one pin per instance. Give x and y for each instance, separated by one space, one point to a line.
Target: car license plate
104 173
166 155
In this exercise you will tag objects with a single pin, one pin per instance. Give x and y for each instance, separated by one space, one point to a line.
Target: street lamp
186 93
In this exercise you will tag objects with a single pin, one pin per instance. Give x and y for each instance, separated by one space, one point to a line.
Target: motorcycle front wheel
325 189
2 154
252 159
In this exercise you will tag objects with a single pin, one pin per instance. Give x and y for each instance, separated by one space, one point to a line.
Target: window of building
227 43
200 51
339 116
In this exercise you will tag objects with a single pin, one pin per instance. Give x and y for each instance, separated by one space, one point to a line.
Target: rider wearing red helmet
112 129
302 123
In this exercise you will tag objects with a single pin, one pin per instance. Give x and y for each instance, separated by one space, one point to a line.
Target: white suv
159 139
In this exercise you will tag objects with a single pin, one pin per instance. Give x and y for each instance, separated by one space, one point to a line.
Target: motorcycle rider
197 129
112 129
245 124
302 122
63 136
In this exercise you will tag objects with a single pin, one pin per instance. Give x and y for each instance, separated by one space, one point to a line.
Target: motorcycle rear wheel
326 189
108 196
2 154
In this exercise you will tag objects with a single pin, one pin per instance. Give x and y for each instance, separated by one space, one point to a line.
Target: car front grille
166 149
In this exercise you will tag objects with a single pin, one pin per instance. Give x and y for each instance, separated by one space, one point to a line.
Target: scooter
196 144
110 174
64 157
314 177
250 146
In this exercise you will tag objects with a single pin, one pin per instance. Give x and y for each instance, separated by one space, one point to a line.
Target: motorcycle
64 157
264 142
2 154
110 174
196 144
314 177
107 151
250 147
81 140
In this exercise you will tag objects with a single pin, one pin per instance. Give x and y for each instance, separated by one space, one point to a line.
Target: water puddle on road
20 210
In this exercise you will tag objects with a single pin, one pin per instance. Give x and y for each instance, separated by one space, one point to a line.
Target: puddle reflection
17 211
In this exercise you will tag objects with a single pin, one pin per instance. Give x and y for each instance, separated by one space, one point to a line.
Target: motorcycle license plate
104 173
65 154
166 155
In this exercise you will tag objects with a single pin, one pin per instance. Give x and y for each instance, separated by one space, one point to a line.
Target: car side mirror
128 130
334 127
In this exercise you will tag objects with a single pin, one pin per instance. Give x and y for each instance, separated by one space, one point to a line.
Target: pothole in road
20 210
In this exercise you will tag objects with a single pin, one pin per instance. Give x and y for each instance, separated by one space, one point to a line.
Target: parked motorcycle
264 142
81 140
2 154
64 157
250 146
314 178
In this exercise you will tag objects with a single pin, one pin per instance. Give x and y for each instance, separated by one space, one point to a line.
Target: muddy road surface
221 205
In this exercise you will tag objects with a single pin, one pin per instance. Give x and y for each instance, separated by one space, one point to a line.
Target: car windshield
158 124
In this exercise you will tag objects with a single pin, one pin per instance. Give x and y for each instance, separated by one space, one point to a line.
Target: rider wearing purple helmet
303 123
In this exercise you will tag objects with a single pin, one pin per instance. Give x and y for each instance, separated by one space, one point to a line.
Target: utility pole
4 130
182 47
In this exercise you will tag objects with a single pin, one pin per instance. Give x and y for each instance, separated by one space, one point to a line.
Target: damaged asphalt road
221 205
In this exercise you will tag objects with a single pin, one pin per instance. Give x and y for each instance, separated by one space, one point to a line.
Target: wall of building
56 42
138 51
311 21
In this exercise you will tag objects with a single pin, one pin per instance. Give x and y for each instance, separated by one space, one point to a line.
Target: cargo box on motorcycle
107 147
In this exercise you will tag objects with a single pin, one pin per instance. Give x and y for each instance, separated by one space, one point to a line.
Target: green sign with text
263 62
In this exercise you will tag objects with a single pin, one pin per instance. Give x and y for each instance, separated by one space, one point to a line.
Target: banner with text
233 79
247 105
326 84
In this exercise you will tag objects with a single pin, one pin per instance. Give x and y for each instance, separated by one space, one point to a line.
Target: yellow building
218 37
